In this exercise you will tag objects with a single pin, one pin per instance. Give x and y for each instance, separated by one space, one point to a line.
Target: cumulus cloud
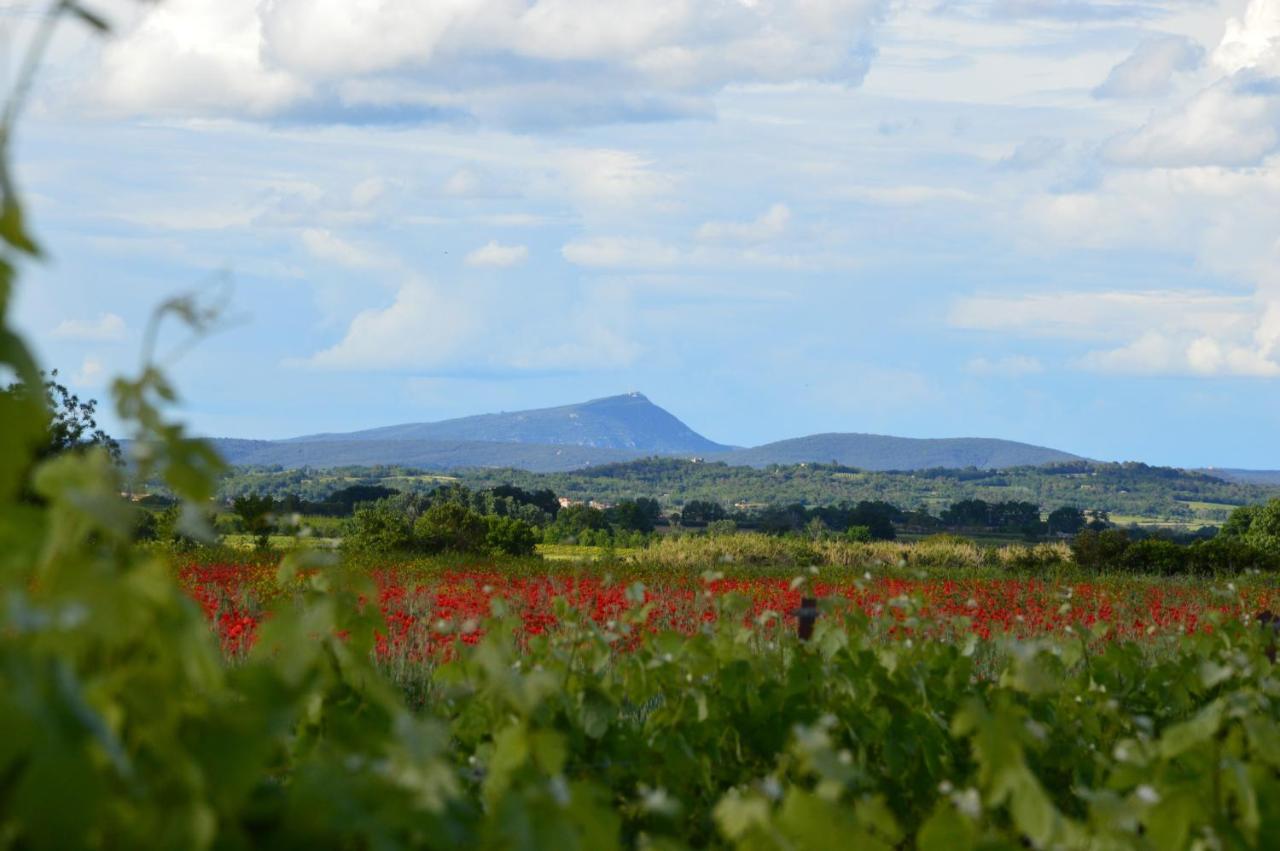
107 328
494 255
429 329
1149 70
442 60
423 327
1252 41
768 225
1010 366
1234 121
1158 332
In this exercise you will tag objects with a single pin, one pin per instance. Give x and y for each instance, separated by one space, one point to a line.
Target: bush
378 529
858 534
1096 550
450 527
511 537
1155 555
1227 554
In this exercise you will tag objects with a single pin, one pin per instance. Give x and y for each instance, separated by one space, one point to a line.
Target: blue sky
1033 219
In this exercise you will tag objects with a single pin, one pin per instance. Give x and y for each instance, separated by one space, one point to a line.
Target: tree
378 529
510 536
256 514
1067 520
573 520
635 515
1099 519
700 512
450 527
72 424
1095 549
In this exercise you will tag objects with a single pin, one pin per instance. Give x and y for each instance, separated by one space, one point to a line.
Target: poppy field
672 709
427 612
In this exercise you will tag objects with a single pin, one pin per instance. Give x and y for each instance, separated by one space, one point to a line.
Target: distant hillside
1130 491
1252 477
420 454
629 422
881 452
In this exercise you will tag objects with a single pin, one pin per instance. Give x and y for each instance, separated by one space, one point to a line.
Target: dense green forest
1124 490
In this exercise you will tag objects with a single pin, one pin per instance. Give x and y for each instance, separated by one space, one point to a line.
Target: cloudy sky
1047 220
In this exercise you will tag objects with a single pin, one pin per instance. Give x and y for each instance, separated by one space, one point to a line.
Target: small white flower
968 802
1146 794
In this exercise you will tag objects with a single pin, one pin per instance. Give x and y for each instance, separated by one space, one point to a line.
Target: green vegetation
1153 494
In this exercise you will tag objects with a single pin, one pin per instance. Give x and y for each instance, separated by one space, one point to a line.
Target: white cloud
609 177
423 328
432 329
107 328
1233 122
326 245
497 256
1251 42
619 252
1103 315
1010 366
770 224
92 374
1149 70
246 57
1155 353
1160 332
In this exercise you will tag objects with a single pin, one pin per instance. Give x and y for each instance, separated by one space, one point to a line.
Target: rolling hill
881 452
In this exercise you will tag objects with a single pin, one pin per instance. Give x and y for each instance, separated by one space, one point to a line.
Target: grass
572 552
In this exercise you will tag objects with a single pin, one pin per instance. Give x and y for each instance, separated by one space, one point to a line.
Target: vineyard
667 709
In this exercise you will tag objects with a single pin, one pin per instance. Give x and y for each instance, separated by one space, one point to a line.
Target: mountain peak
629 421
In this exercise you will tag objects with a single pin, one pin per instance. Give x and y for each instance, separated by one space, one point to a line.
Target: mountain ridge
608 430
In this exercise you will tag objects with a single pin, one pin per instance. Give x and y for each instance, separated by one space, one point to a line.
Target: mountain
629 422
422 454
1250 477
610 430
881 452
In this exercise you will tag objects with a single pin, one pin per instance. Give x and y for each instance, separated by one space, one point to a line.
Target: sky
1054 221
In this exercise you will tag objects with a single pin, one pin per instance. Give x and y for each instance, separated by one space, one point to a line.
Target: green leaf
1180 738
946 830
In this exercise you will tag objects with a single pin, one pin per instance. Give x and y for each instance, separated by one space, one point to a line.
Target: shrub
510 536
858 534
1155 555
378 529
1094 549
450 527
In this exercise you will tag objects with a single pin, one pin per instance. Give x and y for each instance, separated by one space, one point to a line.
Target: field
934 709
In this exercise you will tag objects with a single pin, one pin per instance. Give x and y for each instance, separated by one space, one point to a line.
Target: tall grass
758 550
